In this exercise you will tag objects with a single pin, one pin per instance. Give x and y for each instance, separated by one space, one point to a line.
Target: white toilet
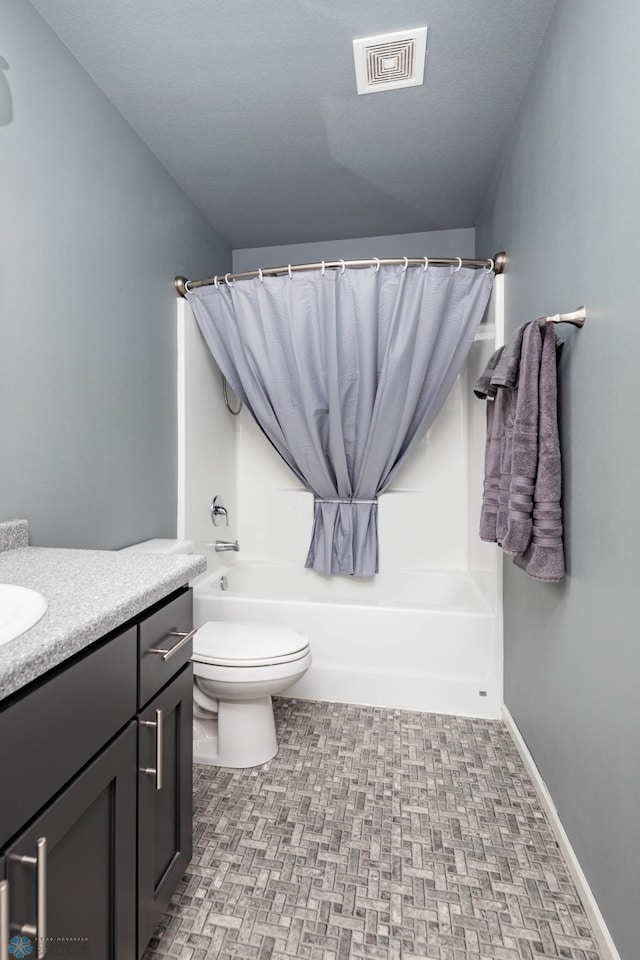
237 667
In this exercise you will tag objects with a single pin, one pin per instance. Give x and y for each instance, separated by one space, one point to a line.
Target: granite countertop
90 593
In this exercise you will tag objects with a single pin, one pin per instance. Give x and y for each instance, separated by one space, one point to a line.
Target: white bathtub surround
391 646
410 639
206 438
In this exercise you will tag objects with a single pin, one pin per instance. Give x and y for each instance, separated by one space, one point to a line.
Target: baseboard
605 943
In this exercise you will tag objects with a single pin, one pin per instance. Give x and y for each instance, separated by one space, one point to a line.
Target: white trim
605 942
181 379
497 295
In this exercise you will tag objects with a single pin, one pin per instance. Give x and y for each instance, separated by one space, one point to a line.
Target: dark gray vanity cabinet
165 758
95 806
78 897
165 802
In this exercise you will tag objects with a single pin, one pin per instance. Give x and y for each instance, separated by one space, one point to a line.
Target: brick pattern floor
378 834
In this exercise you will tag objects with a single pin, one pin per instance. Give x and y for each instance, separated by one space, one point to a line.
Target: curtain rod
496 264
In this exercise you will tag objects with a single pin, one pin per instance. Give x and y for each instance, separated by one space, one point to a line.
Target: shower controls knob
218 512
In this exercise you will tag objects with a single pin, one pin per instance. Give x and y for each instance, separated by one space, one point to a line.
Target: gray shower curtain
342 373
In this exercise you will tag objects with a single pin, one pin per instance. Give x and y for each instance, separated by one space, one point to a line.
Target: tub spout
222 545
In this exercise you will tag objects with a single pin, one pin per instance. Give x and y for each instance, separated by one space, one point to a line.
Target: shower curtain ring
323 268
406 264
492 267
459 259
215 283
226 279
260 277
344 267
289 272
426 265
377 266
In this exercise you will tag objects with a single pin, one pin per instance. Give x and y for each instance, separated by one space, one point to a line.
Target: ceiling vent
390 60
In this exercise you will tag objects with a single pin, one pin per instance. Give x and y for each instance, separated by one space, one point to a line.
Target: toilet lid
240 643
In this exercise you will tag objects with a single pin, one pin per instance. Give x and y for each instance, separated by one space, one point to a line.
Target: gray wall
92 232
566 208
436 243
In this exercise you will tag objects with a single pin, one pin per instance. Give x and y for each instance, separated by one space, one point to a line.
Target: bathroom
94 229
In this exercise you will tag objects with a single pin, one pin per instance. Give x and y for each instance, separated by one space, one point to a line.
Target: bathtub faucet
222 545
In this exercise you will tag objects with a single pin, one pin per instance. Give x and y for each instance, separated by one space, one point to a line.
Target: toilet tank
160 546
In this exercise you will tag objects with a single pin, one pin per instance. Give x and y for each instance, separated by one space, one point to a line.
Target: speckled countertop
90 593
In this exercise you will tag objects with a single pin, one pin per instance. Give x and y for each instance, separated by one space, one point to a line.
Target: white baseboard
605 943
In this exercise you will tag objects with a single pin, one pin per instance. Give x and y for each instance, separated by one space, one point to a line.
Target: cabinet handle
4 920
39 932
157 770
177 646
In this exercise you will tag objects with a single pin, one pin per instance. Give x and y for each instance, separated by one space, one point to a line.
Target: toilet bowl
237 667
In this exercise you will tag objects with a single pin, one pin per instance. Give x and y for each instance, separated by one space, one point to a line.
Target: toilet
237 667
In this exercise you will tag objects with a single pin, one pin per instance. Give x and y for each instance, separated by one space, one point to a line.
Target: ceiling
252 107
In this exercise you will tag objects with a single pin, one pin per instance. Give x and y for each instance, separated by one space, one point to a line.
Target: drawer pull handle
157 770
39 932
4 920
177 646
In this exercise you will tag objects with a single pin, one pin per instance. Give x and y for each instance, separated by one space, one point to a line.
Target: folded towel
483 387
544 556
507 369
519 473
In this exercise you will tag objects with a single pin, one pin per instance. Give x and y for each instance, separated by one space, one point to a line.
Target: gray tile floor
374 833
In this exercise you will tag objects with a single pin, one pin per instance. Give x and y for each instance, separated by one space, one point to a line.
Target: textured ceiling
252 107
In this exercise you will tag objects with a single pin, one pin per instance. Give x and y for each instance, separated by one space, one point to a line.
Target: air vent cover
390 60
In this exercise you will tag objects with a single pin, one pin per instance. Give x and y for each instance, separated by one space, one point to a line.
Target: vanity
95 751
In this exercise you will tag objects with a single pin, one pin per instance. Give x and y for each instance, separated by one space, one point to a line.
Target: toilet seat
241 644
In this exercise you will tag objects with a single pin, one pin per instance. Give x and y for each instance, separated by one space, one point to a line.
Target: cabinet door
165 802
76 895
4 911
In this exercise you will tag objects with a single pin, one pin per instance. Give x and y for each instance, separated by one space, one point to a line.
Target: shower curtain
343 371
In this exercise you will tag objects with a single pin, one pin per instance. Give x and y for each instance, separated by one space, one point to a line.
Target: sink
20 608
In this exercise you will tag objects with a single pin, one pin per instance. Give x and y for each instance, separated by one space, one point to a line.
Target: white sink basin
20 608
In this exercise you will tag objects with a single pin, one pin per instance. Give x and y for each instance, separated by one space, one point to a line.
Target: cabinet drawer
56 726
158 634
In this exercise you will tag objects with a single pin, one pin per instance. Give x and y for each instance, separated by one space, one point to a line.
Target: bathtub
412 639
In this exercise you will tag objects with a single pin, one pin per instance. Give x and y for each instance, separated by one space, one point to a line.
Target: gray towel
502 371
521 499
519 471
506 444
496 412
544 556
507 370
483 388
